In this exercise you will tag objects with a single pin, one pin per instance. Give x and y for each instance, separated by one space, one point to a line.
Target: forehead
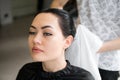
45 18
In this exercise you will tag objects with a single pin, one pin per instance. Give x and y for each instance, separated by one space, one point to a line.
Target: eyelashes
32 33
44 33
47 34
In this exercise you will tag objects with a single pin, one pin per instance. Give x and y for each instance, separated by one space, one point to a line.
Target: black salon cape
34 71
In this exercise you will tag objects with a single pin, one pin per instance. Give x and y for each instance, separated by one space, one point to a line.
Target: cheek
56 45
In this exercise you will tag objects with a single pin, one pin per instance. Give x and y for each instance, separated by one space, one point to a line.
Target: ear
68 41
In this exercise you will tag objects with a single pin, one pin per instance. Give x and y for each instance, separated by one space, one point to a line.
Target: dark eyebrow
47 26
33 27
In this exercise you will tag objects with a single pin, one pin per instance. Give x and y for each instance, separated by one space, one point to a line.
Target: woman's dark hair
64 19
71 8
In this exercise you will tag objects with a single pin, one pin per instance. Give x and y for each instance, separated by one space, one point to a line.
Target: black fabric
34 71
109 75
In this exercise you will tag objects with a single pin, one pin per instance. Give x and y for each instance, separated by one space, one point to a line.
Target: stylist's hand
58 3
110 46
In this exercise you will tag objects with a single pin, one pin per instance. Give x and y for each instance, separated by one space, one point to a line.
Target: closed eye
32 33
47 34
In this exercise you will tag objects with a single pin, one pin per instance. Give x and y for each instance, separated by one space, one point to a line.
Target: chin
38 59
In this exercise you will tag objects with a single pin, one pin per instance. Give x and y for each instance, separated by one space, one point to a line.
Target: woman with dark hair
51 33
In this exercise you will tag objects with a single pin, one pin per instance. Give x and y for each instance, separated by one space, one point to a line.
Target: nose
37 39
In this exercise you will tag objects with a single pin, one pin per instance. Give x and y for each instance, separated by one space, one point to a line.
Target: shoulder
77 73
32 65
28 70
81 73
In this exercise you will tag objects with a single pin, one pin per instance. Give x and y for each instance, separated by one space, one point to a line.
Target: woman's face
46 40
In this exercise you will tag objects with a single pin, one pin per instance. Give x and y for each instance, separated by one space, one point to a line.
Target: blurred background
15 19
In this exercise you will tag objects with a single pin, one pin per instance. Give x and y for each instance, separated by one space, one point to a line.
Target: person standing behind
102 17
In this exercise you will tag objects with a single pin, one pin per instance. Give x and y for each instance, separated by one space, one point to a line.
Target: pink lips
36 50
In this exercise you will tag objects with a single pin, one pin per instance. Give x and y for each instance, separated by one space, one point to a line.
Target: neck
54 65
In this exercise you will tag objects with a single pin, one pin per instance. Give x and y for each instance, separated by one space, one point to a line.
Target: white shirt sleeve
82 52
